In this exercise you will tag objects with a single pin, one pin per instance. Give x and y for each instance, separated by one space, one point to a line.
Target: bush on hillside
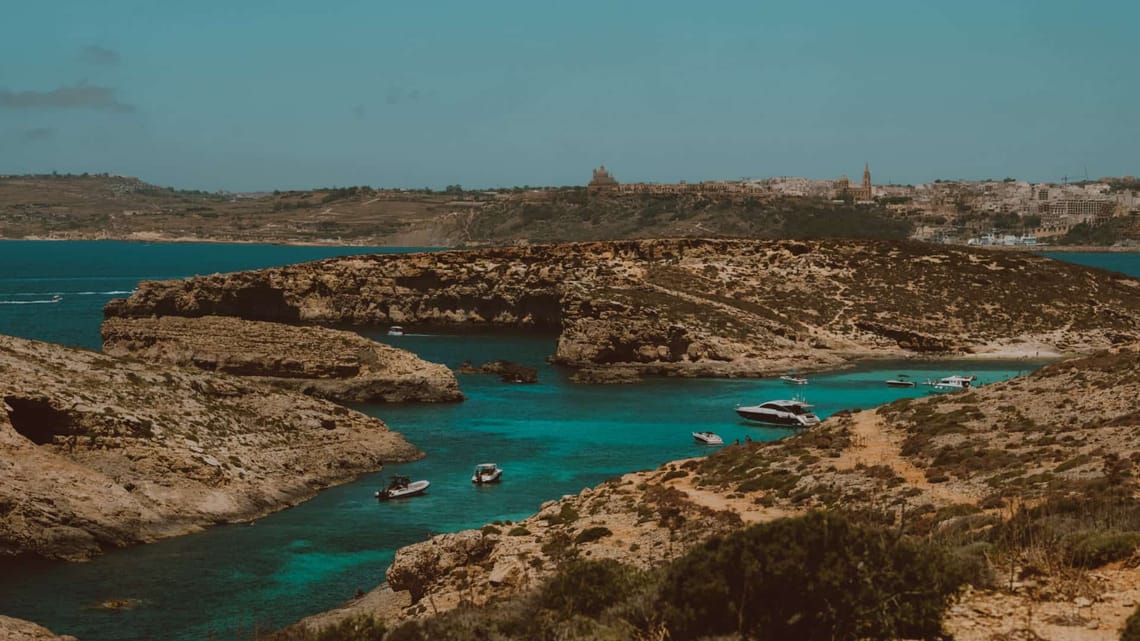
1131 631
814 577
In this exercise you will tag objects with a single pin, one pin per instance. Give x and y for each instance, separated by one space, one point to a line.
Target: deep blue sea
552 438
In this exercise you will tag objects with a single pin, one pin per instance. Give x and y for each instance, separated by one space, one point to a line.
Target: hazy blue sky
263 94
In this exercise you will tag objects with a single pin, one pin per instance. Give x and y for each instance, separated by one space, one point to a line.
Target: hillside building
602 181
843 188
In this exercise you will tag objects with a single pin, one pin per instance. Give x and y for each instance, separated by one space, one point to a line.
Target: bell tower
867 181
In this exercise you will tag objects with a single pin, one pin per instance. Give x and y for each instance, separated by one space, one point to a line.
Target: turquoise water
551 438
87 274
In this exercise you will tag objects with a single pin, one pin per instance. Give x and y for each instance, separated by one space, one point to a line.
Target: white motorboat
395 330
708 438
401 487
486 473
793 413
901 381
792 378
952 383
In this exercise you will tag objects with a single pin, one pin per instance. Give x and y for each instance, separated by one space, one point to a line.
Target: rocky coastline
695 307
1066 428
325 363
98 452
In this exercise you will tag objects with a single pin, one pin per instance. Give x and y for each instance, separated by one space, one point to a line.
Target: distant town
942 210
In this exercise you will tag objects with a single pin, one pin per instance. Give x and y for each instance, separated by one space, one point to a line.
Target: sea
552 438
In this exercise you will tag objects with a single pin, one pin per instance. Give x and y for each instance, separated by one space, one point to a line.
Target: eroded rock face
696 307
321 362
19 630
99 452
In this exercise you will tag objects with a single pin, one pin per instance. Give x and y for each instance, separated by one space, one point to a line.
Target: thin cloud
396 95
78 97
97 55
38 134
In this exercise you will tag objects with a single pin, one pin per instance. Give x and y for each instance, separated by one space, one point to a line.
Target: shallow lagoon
551 438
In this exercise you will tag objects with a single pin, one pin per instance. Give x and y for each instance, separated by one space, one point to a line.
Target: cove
552 438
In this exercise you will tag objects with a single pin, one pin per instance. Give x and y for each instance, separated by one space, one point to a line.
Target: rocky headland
99 452
331 364
694 307
1026 476
19 630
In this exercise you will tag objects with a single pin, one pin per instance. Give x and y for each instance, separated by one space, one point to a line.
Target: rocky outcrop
507 371
326 363
695 307
19 630
100 452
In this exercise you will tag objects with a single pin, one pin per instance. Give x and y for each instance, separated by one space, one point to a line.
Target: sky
286 94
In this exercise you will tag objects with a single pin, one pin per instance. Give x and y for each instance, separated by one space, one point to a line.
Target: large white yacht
783 413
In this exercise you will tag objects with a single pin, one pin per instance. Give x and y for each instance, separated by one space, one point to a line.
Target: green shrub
674 474
592 534
588 587
1131 630
518 530
1094 549
813 577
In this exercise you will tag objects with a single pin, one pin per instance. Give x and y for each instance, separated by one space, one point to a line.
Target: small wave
110 293
30 302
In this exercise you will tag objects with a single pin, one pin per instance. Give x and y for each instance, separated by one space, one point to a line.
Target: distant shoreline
157 238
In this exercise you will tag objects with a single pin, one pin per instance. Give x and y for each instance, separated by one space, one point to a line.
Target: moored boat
708 438
952 383
401 487
785 413
791 378
395 330
486 473
901 381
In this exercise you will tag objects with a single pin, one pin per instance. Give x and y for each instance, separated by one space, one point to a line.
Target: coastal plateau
326 363
1023 480
695 307
99 452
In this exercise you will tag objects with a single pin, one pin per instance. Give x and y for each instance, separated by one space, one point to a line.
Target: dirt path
872 445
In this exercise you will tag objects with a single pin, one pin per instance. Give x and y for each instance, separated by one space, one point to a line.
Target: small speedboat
898 383
401 487
901 381
708 438
395 330
794 379
486 473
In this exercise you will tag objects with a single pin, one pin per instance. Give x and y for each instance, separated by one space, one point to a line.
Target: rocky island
326 363
99 452
694 307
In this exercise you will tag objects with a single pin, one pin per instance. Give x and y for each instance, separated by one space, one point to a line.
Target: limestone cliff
336 365
695 307
100 452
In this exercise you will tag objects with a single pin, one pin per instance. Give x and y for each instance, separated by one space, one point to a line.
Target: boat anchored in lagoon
401 487
708 438
793 413
952 383
791 378
486 473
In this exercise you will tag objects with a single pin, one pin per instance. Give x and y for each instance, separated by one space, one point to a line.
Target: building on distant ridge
843 188
602 181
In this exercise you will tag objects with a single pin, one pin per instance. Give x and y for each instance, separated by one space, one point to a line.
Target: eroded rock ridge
100 452
695 307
